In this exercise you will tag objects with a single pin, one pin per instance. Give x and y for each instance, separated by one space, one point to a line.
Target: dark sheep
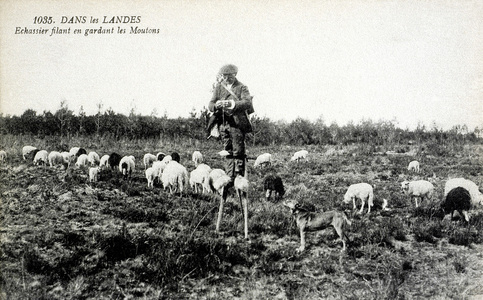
80 152
160 156
175 156
457 199
273 183
30 156
114 160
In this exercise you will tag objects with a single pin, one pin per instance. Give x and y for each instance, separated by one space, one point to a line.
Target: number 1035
43 20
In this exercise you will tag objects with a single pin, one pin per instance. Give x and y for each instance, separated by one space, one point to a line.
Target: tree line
64 122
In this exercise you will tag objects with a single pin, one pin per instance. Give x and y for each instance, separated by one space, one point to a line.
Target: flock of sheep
163 168
459 194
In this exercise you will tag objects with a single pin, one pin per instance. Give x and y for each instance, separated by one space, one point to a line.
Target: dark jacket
243 105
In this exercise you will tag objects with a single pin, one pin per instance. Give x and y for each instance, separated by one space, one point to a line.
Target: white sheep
93 158
418 189
264 159
26 150
217 180
363 191
414 166
82 161
159 166
198 176
67 157
127 166
3 155
148 160
41 157
174 177
299 155
470 186
104 162
150 176
55 158
197 158
93 174
73 151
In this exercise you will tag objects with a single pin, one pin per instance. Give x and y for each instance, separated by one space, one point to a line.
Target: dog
310 221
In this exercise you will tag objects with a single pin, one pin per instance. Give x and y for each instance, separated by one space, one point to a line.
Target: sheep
476 196
174 177
67 157
72 154
31 155
264 159
114 160
273 183
55 158
93 174
73 151
217 180
104 161
41 157
197 158
414 166
150 176
198 176
81 161
363 191
299 155
80 152
175 156
3 155
159 166
93 158
458 199
160 156
126 166
148 160
26 150
418 189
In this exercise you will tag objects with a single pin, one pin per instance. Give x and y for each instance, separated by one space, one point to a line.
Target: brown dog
309 221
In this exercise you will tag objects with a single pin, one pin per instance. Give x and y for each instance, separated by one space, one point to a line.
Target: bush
426 231
377 231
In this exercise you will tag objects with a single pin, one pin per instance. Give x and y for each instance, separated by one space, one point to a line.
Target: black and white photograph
314 149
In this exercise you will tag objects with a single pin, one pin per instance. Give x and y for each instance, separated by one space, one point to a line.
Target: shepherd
231 105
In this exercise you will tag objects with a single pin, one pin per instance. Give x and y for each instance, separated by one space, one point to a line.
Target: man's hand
219 104
230 104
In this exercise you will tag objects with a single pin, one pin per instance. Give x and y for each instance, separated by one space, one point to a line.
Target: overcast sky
409 61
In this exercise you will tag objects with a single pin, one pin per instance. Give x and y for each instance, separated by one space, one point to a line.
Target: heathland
65 238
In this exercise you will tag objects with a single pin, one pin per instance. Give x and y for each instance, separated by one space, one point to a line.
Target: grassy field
64 238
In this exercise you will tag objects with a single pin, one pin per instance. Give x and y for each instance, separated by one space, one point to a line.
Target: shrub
427 230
